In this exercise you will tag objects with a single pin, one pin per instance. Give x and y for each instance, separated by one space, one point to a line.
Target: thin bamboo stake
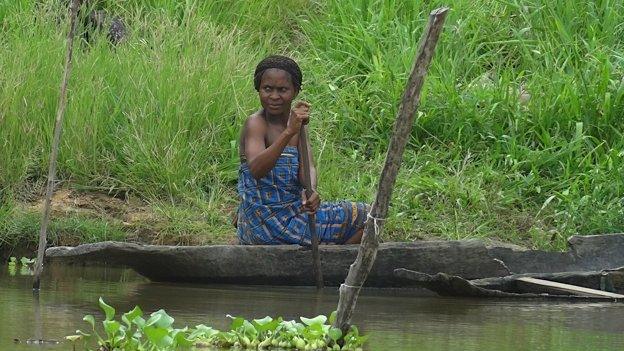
304 149
367 253
55 144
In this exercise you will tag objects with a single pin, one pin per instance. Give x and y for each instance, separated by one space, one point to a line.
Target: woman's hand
312 204
299 115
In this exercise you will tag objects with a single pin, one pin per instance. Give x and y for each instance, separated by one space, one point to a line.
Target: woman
274 208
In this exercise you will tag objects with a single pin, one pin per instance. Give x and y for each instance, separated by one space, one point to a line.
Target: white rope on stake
375 219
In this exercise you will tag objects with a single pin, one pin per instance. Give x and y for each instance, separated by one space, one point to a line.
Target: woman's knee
356 238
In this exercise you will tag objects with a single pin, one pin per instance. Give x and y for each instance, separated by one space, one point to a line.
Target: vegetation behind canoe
519 137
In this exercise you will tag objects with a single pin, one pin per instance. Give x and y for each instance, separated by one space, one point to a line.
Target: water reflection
395 320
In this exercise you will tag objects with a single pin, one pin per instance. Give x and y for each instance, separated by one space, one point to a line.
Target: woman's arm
262 159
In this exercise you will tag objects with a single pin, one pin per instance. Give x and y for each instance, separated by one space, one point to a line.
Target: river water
395 320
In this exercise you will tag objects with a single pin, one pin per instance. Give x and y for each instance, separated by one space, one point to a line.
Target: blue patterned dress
270 211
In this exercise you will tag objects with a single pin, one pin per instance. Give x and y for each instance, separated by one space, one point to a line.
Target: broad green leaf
152 320
292 326
227 336
263 321
131 344
249 329
73 338
129 316
299 343
265 343
332 317
237 322
137 335
83 333
158 336
313 331
180 338
165 321
108 310
139 322
203 331
89 319
27 261
316 320
268 326
120 336
334 333
354 341
111 327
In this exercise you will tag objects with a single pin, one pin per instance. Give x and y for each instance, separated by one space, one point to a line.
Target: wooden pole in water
358 271
55 144
304 149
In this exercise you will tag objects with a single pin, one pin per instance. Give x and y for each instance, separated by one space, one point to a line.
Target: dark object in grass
93 19
99 20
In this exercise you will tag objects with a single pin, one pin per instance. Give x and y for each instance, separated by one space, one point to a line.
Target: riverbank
518 137
89 217
78 217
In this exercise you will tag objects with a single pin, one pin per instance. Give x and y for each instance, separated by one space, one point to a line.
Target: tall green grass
485 161
149 116
519 136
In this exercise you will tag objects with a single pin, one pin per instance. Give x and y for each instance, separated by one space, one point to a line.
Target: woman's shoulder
255 121
257 116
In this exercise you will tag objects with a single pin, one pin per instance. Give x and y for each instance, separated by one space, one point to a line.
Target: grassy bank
519 136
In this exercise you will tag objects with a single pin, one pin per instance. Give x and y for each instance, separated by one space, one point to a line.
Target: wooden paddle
304 150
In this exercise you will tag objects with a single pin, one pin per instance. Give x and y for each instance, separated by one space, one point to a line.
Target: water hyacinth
135 333
25 265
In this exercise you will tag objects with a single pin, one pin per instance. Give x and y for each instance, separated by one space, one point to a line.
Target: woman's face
276 91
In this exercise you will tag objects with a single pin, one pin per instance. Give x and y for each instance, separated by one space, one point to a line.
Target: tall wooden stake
304 148
55 144
358 271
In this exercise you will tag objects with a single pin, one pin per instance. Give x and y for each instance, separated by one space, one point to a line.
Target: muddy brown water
395 320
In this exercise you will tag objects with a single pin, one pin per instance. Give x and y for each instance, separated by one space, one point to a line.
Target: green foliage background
519 135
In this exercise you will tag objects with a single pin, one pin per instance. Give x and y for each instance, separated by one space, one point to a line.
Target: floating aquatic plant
135 333
24 263
12 266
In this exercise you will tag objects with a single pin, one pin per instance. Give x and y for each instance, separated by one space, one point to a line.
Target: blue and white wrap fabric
270 211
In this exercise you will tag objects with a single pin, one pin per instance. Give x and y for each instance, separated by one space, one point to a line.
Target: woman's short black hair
281 62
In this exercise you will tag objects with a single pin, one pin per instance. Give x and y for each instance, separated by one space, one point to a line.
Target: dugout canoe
292 264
